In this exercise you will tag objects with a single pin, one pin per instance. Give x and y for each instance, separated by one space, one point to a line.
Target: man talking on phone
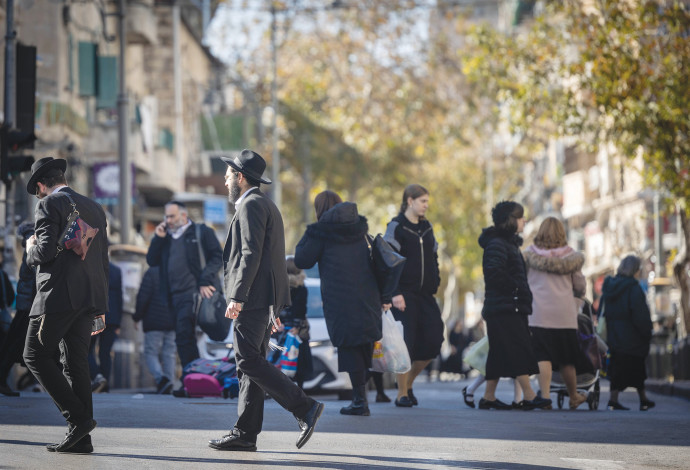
175 249
72 292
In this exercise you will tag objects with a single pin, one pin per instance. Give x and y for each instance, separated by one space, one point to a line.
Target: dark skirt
355 358
626 371
422 326
558 346
510 347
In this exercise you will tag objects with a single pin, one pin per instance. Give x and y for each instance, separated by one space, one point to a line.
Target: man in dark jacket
71 291
100 370
159 330
257 288
175 249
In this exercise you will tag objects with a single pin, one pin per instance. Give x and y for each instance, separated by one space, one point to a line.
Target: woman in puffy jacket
628 331
507 304
412 235
352 302
555 279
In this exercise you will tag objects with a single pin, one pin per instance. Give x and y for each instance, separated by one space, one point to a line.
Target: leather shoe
7 391
382 398
76 434
412 398
468 398
614 405
232 442
495 404
537 402
404 402
308 423
646 404
84 446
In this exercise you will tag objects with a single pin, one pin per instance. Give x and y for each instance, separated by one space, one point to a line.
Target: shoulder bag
77 234
386 263
210 313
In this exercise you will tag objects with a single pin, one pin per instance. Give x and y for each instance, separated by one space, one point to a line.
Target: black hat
40 167
250 164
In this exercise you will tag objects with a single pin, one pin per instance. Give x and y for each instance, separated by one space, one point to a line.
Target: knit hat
25 230
502 212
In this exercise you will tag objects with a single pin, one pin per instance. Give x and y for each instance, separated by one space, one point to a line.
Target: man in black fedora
256 286
71 292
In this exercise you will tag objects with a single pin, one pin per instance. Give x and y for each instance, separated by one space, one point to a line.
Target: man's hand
234 309
207 291
102 317
31 242
385 307
278 326
399 302
161 230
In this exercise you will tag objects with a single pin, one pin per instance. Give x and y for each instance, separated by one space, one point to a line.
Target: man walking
175 249
256 288
71 291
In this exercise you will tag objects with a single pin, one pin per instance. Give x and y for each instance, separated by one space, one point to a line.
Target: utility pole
9 262
123 154
275 161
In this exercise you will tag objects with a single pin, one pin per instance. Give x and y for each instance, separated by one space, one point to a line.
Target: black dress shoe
468 398
232 442
412 398
7 391
493 404
382 398
84 446
308 423
180 393
646 404
614 405
76 434
404 402
537 402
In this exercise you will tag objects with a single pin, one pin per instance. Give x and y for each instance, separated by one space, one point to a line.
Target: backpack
211 378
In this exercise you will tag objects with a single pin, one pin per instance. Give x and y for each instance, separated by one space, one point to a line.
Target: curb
679 389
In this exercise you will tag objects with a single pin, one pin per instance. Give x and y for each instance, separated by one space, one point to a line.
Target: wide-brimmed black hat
250 164
40 167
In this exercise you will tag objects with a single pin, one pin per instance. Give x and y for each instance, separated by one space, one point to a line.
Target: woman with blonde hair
554 274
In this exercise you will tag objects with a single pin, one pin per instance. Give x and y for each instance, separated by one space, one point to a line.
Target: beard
234 193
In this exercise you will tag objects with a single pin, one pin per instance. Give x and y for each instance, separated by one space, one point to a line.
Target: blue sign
216 211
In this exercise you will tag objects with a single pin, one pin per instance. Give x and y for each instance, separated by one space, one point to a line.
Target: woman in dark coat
628 331
351 299
507 303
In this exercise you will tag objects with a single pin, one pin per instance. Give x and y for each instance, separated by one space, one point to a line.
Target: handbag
386 263
288 360
396 358
601 323
77 234
210 313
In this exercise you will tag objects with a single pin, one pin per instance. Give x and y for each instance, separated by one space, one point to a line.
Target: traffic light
12 140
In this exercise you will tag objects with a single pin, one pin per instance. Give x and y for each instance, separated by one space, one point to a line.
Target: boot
359 405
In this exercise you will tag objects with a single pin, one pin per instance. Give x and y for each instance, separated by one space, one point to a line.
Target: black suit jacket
254 255
63 281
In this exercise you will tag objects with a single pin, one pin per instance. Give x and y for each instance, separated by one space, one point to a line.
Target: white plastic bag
395 358
477 354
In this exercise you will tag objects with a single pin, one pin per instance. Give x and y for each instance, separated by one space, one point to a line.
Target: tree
603 72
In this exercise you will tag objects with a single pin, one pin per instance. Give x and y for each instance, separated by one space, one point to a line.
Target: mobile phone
98 324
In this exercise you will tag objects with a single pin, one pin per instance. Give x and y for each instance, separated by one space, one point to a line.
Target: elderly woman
554 273
629 331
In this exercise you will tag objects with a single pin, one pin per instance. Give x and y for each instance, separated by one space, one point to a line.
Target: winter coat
506 290
113 317
555 279
628 321
159 253
351 298
7 291
417 243
152 305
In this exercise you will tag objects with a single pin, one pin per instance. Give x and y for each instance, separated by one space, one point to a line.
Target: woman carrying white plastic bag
395 357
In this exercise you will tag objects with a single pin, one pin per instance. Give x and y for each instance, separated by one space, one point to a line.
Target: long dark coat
506 289
351 298
628 321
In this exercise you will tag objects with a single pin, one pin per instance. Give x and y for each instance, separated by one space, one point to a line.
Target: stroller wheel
561 397
593 397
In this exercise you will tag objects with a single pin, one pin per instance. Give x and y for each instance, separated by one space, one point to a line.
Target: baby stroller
589 363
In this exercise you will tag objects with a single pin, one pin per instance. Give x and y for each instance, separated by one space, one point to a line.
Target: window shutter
87 68
107 83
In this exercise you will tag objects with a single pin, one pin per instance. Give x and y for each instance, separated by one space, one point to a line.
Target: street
152 431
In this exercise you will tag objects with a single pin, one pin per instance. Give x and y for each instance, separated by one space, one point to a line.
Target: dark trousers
69 386
257 376
185 326
105 341
13 347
